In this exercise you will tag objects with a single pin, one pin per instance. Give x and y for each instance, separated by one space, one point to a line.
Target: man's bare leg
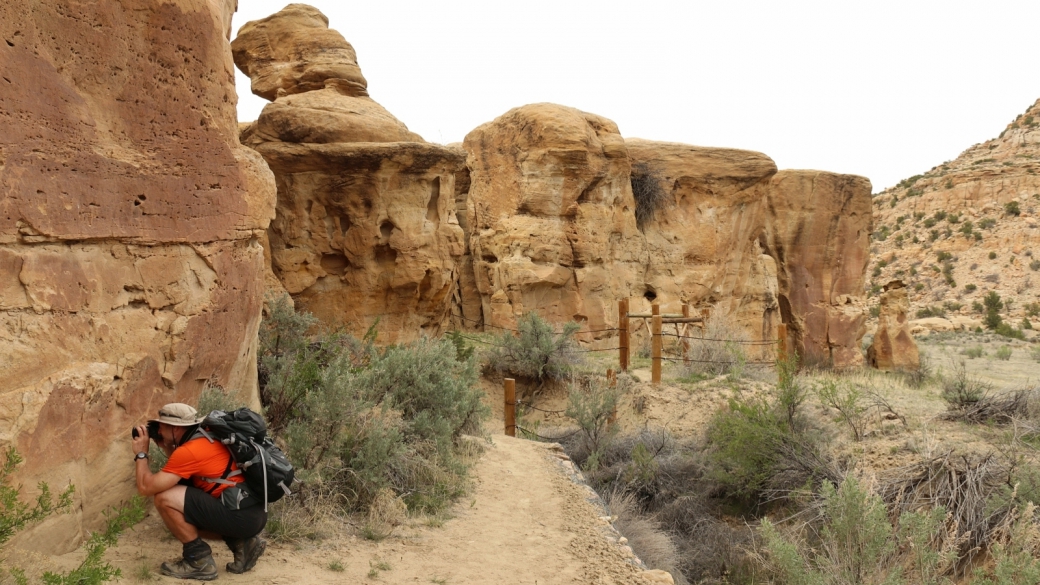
170 505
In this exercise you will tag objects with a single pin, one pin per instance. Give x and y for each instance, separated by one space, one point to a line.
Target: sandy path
524 522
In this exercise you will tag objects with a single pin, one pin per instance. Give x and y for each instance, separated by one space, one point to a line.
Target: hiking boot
203 569
246 551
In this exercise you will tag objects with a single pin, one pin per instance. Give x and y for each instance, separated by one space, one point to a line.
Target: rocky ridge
965 228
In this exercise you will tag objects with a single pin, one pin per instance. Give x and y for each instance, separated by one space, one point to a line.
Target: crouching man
199 494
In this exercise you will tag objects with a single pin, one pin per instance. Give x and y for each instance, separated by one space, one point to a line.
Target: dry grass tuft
386 512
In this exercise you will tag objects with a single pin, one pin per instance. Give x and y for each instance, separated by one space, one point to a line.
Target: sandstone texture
130 217
551 217
818 229
966 228
551 226
893 347
366 226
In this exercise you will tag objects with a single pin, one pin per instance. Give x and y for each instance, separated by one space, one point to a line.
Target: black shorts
207 513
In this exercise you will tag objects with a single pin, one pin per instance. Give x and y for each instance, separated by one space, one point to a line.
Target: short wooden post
781 342
623 334
510 395
612 380
655 371
655 309
686 333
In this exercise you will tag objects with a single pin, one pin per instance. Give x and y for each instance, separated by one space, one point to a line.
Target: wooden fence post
781 345
655 369
686 334
623 334
612 380
510 395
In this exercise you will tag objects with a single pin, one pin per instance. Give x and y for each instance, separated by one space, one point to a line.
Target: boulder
130 218
818 226
930 324
893 347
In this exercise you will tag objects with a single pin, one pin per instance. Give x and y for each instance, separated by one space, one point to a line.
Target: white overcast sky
884 89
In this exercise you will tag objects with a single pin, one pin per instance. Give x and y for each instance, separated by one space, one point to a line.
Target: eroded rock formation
893 347
130 268
366 225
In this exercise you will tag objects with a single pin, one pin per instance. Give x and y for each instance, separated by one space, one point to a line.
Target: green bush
393 422
992 256
931 311
961 390
591 403
1003 353
973 352
538 353
16 515
1012 208
970 288
848 400
1034 265
943 256
993 304
987 223
853 542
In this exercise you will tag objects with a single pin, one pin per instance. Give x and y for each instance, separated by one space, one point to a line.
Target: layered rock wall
130 265
366 227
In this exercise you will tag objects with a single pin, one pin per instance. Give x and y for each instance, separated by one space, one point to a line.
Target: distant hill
966 227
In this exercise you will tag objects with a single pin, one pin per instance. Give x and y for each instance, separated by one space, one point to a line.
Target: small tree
993 305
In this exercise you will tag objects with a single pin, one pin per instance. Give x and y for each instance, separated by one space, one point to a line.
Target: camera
153 431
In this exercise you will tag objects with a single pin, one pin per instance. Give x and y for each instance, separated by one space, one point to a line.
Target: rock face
893 347
552 227
702 244
551 217
366 224
976 218
130 268
818 228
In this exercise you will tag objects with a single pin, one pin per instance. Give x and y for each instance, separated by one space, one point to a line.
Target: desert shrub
996 408
717 349
1012 208
931 311
992 255
648 539
1003 353
1034 265
538 353
973 352
846 398
591 402
1034 353
1026 324
962 390
1005 330
648 191
918 287
993 305
987 223
393 423
214 397
16 515
970 288
943 256
851 541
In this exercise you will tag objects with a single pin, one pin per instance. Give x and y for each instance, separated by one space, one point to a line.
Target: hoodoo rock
366 226
893 347
818 228
130 263
551 217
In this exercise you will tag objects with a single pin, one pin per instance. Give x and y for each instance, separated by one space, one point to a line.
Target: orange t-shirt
198 458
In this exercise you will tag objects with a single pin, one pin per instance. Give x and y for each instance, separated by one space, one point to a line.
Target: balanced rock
366 226
311 74
893 347
130 217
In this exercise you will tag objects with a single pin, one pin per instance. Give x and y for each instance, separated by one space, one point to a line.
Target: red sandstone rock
893 347
130 268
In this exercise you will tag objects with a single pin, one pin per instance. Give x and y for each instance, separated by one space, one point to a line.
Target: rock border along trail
525 521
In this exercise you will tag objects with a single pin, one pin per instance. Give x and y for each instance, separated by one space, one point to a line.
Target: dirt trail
524 522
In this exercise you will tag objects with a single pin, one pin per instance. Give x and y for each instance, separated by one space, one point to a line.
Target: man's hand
140 444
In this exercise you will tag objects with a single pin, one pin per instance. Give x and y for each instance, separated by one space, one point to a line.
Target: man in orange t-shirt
199 493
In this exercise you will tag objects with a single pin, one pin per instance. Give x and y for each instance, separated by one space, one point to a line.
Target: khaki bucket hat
178 415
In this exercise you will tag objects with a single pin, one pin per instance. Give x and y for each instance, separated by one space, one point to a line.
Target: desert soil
524 522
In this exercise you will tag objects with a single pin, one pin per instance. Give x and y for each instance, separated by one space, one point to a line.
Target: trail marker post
509 387
623 334
655 332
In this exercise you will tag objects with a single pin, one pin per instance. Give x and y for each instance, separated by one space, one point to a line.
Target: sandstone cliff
551 223
130 268
981 210
366 224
